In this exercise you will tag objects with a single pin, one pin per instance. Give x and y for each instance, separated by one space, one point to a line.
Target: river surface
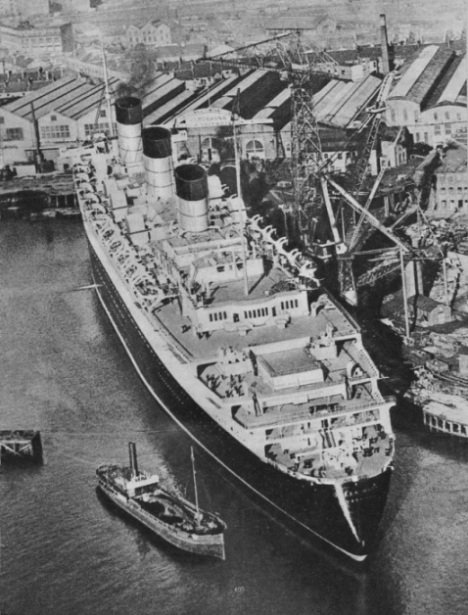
64 550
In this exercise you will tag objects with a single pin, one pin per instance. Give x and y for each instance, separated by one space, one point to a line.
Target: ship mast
239 194
194 480
107 92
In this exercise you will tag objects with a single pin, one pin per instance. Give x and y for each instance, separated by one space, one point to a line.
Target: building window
437 129
53 118
102 113
448 129
91 129
436 116
55 132
255 149
2 120
14 134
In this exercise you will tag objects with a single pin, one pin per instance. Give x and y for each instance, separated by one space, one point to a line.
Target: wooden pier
21 445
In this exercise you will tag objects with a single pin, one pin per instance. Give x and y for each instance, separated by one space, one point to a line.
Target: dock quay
21 445
35 193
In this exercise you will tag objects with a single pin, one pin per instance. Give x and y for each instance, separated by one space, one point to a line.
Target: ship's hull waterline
311 509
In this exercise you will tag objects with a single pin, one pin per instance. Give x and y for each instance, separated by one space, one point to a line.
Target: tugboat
170 516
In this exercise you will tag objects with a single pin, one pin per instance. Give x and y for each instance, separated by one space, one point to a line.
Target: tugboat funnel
133 458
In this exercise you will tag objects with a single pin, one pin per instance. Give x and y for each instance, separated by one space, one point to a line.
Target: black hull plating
313 510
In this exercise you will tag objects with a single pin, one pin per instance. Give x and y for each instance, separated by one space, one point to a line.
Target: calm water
65 550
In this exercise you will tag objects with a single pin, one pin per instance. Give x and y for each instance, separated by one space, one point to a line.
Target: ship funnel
192 192
133 458
157 157
129 115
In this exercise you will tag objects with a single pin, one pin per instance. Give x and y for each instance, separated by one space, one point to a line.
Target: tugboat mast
194 479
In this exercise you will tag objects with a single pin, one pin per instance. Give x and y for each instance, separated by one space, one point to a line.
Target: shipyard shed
251 94
203 74
430 97
339 106
207 97
260 92
66 110
163 113
162 89
342 104
261 139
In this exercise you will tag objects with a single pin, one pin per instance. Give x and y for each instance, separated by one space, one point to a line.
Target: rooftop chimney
384 45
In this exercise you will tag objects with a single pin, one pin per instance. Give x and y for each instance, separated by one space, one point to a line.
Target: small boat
170 516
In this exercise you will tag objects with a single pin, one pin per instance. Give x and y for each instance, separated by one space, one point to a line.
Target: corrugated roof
159 88
210 95
282 98
222 103
340 102
414 71
69 96
424 74
243 85
456 85
167 111
86 100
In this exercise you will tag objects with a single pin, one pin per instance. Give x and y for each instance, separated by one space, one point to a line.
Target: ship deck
207 348
286 414
372 453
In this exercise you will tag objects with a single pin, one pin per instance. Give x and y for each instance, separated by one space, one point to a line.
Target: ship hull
211 546
312 509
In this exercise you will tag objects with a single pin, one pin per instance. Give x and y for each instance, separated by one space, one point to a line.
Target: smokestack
129 116
157 158
192 193
133 458
384 45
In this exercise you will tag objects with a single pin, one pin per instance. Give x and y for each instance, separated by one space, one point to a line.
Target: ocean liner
234 337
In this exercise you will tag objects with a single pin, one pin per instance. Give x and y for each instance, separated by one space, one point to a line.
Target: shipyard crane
311 177
296 65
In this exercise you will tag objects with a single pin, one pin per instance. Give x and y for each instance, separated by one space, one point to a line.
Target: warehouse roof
69 96
423 74
173 106
243 85
210 95
160 89
341 102
281 99
256 90
452 86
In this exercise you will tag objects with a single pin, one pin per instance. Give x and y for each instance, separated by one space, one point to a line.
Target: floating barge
21 445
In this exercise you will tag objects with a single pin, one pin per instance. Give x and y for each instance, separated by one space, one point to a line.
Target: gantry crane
310 172
294 64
